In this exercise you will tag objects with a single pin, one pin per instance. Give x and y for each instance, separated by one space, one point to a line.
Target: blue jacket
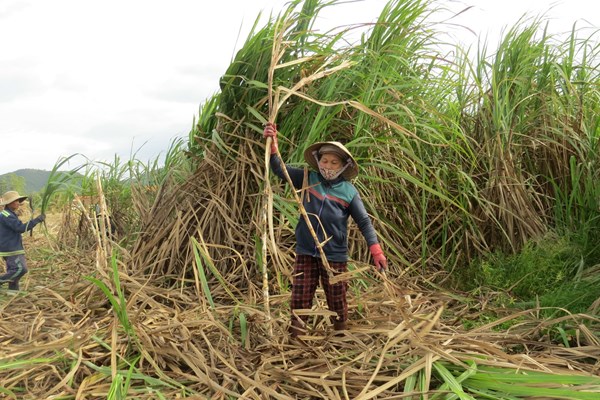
328 205
11 228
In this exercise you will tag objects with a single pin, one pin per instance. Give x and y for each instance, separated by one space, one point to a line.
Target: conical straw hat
335 148
11 196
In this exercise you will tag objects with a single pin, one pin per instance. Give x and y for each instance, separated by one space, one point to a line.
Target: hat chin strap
340 171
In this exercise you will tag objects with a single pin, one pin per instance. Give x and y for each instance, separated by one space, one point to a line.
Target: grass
556 271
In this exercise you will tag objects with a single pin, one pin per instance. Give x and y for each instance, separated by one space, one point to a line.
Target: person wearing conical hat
11 241
329 199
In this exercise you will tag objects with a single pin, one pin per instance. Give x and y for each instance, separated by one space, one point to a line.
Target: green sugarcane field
480 171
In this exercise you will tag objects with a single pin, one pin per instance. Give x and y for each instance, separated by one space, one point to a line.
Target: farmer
329 200
11 243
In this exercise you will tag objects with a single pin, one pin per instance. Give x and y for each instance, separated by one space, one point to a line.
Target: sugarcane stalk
32 210
268 201
267 210
267 214
274 104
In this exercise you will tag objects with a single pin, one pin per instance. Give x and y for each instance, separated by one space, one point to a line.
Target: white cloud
489 19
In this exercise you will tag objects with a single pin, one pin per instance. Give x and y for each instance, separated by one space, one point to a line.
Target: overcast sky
115 76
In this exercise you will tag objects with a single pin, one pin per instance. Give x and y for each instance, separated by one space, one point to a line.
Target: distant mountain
26 180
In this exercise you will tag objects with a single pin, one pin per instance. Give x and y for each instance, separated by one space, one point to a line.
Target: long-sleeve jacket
11 229
328 204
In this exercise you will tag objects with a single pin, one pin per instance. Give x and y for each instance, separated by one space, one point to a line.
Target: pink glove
378 258
271 132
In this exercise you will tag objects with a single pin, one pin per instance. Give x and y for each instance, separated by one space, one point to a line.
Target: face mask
330 174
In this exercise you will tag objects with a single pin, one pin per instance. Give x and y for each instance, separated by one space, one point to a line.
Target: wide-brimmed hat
11 196
333 148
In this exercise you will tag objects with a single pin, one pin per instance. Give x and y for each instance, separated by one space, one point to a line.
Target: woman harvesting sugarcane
329 200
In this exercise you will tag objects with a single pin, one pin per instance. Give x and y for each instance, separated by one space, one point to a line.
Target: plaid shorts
307 271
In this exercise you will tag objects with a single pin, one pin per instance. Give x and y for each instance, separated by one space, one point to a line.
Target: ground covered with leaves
65 336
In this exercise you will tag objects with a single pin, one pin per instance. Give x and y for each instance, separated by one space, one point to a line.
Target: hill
25 181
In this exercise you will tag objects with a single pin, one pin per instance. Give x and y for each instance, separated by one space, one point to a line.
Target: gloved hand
41 217
271 131
378 258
